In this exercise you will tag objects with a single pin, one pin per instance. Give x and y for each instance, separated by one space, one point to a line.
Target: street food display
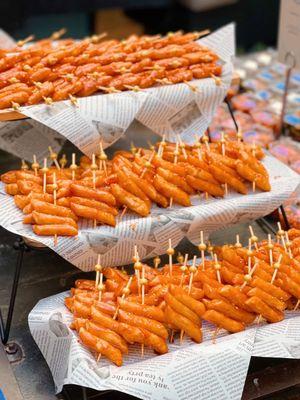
53 198
229 288
53 70
232 289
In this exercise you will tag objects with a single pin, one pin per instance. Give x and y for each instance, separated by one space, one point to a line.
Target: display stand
21 247
227 101
289 56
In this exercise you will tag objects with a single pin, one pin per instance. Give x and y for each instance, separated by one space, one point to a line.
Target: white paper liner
191 371
27 137
151 234
174 109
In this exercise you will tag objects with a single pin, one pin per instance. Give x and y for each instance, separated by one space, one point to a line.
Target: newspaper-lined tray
191 371
169 110
151 234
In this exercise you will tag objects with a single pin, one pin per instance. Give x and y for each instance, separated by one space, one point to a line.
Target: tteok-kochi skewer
54 70
96 191
148 309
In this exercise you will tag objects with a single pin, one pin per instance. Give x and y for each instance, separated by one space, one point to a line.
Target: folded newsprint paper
27 137
207 371
169 110
151 234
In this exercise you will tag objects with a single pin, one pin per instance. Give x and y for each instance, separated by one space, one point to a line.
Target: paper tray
188 372
151 234
167 110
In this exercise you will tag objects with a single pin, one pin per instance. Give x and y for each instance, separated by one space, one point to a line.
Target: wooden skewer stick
182 146
164 81
39 85
288 244
276 266
281 235
101 286
98 269
73 166
53 157
180 258
44 170
143 282
217 266
48 100
270 247
217 79
210 249
58 34
157 261
202 33
253 238
137 268
54 188
109 90
248 277
73 100
133 88
63 161
54 200
96 38
238 244
24 166
94 168
103 159
101 289
192 271
151 146
249 254
297 305
183 269
35 165
148 164
29 38
190 86
170 252
202 247
14 80
205 140
176 154
133 149
161 147
199 152
125 292
223 146
15 106
198 147
215 334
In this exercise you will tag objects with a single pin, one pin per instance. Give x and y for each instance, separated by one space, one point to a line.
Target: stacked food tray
99 212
